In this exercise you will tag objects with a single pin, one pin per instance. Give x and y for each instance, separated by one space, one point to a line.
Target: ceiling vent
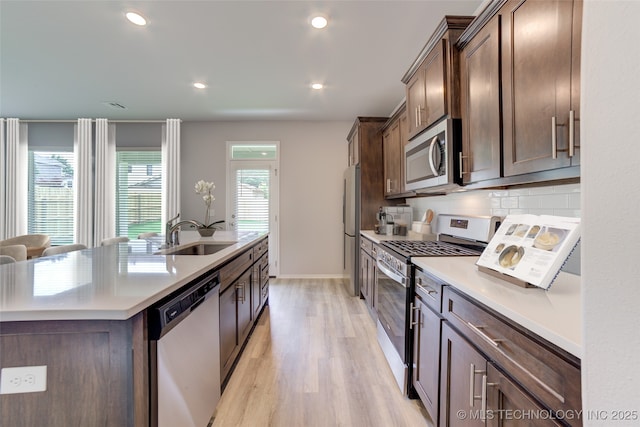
115 105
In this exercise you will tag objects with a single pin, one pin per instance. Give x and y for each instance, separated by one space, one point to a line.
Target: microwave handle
434 141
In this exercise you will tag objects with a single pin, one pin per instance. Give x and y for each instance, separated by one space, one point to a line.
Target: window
51 195
138 193
252 199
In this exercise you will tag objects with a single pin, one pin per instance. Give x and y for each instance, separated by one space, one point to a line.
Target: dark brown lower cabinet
476 393
243 304
496 373
228 338
461 384
509 405
426 356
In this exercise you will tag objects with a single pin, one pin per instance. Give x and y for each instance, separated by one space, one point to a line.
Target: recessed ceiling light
199 85
136 18
317 86
319 22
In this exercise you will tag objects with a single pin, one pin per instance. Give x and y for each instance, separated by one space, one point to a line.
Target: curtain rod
93 120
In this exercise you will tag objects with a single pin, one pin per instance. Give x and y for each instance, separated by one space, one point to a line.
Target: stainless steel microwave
429 158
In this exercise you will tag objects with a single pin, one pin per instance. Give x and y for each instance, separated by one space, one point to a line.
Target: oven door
392 291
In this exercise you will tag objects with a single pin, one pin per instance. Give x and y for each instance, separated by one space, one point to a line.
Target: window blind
50 197
138 192
252 199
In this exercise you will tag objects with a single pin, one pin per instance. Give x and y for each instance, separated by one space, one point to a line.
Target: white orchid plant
206 190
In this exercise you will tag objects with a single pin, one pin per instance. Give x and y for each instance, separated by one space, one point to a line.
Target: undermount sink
198 249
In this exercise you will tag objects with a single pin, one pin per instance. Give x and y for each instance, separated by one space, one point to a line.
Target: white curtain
170 169
15 216
83 183
105 181
3 183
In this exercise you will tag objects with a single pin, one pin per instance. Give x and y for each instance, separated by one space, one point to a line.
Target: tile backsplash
559 200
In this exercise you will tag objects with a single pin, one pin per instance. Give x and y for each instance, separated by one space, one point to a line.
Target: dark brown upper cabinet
481 158
393 136
540 84
432 82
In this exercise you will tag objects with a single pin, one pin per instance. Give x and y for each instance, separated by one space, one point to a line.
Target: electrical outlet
23 379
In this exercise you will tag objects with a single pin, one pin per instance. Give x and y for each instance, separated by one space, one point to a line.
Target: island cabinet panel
244 292
480 104
96 373
540 84
540 371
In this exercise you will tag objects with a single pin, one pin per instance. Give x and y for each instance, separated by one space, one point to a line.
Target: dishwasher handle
172 310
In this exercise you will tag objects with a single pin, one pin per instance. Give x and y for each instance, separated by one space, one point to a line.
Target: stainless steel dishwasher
185 355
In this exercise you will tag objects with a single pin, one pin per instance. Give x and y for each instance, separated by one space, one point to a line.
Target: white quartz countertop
554 314
110 282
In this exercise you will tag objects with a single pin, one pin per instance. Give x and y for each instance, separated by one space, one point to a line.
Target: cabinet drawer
429 288
260 248
545 371
235 268
366 245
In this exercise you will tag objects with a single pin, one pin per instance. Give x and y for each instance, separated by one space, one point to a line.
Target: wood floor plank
314 360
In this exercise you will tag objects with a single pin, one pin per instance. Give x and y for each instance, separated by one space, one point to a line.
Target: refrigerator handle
344 205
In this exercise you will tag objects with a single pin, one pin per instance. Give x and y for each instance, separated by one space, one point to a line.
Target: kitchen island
84 316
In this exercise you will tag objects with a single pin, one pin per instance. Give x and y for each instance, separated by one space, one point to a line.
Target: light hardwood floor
314 360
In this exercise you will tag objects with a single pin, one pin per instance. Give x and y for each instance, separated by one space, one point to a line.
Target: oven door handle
392 275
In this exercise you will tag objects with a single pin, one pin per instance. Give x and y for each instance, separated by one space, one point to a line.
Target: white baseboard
310 276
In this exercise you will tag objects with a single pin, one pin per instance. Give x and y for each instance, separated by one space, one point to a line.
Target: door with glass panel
252 191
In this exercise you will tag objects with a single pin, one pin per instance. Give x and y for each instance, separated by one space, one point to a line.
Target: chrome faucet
167 228
172 235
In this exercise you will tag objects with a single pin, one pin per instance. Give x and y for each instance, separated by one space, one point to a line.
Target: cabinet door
435 86
392 148
480 85
255 290
243 287
426 356
364 274
536 76
415 102
509 405
461 381
228 337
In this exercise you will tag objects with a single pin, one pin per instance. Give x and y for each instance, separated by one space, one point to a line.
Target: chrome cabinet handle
412 308
572 129
472 383
241 286
426 290
419 115
388 185
477 330
460 157
554 138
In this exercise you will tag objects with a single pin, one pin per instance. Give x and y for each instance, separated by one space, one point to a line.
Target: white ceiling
65 59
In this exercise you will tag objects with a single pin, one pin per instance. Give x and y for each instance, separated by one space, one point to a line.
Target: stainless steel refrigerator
351 227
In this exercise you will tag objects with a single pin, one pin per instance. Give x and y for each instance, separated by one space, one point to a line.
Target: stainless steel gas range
458 235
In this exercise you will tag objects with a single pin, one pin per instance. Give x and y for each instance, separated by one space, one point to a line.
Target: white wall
313 159
611 201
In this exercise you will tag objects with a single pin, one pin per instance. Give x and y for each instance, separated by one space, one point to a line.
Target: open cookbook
530 248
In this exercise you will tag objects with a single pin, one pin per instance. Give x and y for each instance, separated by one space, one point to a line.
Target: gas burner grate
412 248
